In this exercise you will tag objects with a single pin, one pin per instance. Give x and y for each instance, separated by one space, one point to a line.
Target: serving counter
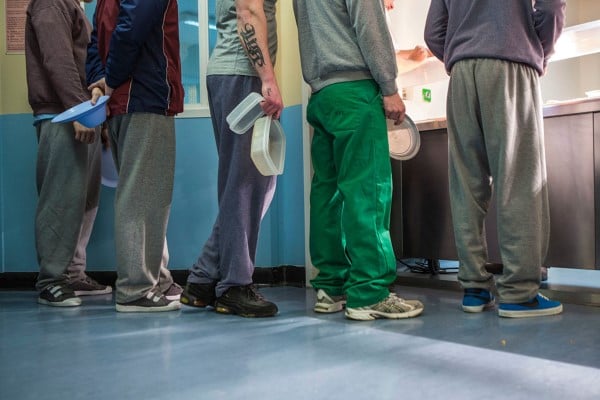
421 224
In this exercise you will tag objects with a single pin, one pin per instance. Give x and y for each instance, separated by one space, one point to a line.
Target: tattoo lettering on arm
250 43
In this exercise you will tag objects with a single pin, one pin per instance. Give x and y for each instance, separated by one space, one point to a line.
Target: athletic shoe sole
478 309
530 313
106 290
369 315
172 306
329 308
228 310
193 303
73 302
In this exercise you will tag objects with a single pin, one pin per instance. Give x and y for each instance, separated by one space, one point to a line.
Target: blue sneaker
539 306
475 300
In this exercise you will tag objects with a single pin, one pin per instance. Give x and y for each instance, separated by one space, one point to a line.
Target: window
197 37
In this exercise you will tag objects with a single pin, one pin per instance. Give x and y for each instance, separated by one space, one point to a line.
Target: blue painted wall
194 199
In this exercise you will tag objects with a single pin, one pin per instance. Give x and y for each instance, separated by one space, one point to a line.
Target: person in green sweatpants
351 188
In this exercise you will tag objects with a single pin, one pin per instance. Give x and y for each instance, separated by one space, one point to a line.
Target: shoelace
87 279
253 293
393 299
543 297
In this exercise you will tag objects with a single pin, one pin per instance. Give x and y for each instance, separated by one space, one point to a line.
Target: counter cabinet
421 222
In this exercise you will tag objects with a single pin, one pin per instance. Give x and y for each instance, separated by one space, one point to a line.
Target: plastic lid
85 113
404 139
268 146
243 116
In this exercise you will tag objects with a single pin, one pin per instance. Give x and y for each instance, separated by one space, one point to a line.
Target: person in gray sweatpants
68 154
241 63
495 53
68 184
134 58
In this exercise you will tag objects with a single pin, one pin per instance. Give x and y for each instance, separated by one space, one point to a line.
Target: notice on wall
15 26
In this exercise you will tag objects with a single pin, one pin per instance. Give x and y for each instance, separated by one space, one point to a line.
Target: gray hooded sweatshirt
343 41
522 31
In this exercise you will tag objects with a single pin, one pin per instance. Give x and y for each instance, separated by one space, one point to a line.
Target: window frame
200 110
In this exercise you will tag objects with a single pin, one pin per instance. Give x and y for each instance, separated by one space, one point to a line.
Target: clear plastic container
268 146
404 139
243 116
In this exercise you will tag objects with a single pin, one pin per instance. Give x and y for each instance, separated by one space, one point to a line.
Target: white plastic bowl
110 177
404 139
268 146
243 116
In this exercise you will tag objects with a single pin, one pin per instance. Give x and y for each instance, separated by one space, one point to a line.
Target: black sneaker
245 301
198 294
151 302
88 287
58 296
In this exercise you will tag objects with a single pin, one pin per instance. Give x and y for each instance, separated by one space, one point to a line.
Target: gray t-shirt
228 56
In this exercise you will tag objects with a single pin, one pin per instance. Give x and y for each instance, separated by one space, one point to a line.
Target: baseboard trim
283 275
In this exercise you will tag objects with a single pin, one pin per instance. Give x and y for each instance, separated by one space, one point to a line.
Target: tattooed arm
252 30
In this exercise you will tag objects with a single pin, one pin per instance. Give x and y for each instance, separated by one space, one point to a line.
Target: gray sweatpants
68 185
143 146
496 140
244 194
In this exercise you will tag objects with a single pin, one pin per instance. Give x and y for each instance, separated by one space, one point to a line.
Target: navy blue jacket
135 47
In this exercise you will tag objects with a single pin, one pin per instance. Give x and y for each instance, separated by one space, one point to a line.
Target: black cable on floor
428 266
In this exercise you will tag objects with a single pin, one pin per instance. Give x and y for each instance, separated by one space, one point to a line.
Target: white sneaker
329 304
392 307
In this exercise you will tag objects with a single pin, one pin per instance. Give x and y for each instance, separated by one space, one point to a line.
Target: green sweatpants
351 193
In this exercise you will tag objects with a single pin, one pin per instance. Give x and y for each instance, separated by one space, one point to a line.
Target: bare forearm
252 30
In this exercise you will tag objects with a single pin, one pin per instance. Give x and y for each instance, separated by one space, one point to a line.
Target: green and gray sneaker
329 304
392 307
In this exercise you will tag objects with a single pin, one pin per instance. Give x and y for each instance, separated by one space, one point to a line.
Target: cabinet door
597 184
425 201
569 143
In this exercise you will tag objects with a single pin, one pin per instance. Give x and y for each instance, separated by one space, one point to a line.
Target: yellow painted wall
289 73
13 86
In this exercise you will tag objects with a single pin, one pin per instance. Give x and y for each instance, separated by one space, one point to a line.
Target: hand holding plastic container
268 140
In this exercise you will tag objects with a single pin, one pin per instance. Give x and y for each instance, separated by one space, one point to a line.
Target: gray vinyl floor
92 352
